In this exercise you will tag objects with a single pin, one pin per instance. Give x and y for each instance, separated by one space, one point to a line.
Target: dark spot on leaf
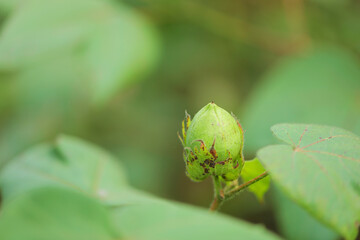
237 165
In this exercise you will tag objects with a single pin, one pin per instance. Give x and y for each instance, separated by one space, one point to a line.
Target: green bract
213 143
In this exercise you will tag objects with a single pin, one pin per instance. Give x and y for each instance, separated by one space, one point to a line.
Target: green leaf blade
113 45
104 170
251 170
72 164
57 214
172 221
33 35
293 220
118 58
318 170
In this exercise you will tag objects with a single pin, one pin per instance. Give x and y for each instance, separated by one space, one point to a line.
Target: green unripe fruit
213 144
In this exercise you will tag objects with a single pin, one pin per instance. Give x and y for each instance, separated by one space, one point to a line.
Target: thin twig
220 196
241 187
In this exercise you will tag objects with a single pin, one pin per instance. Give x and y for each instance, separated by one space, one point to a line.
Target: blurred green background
122 73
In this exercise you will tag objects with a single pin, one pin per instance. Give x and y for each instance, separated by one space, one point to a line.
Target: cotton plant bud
213 143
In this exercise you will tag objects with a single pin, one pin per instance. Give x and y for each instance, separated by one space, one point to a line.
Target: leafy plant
76 67
318 163
320 86
64 59
78 181
72 179
99 35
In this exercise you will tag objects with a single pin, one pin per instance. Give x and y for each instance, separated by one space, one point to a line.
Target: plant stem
218 194
241 187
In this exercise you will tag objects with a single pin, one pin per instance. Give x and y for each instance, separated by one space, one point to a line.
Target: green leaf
170 221
297 224
56 214
47 99
8 5
320 86
123 50
73 164
251 170
42 29
319 169
113 44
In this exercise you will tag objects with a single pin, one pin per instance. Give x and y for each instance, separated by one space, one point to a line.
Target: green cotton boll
213 144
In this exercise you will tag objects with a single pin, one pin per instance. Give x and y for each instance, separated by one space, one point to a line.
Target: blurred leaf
72 163
168 221
41 29
101 170
105 172
252 169
322 86
319 169
21 133
142 165
55 89
297 224
7 6
56 214
124 48
48 98
116 44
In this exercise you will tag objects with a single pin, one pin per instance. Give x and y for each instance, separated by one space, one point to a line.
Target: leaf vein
302 135
331 154
53 178
325 139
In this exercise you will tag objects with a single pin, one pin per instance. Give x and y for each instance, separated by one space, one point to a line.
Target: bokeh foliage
121 74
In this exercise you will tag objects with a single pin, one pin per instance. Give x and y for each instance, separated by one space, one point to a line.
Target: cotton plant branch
222 194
